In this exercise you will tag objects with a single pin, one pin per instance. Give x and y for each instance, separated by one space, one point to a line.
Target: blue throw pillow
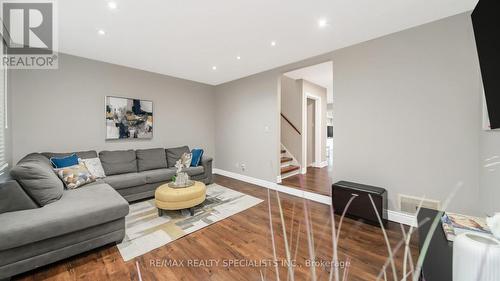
63 162
196 154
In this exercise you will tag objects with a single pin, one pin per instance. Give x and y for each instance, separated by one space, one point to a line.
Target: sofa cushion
118 162
77 209
174 154
159 175
125 180
35 254
151 159
194 171
14 198
34 173
81 154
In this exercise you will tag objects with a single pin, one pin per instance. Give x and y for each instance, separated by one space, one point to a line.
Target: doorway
306 128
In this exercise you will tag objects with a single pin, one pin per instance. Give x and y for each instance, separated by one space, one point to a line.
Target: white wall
489 168
316 91
406 114
291 107
63 110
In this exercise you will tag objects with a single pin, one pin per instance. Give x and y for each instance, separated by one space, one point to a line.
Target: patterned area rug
145 231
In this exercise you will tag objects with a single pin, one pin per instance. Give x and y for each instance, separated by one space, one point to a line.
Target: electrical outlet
243 167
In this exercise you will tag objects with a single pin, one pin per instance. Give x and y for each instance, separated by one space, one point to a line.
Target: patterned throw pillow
75 176
186 159
95 167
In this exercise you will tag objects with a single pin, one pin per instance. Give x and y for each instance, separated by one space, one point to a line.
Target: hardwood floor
246 238
317 180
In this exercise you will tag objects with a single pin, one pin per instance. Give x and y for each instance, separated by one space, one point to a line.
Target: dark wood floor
317 180
245 237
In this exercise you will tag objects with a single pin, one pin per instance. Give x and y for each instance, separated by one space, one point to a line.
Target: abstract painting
128 118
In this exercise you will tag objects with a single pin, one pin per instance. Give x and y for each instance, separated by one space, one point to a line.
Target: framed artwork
128 118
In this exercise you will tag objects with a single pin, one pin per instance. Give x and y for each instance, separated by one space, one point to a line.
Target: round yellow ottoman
167 198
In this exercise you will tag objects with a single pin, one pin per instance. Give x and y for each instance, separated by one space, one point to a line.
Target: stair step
289 169
286 159
283 151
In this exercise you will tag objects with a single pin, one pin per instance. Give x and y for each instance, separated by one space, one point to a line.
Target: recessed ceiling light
322 22
214 67
273 43
238 57
112 5
101 32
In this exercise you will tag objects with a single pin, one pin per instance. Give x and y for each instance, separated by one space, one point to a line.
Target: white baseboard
402 218
394 216
321 164
252 180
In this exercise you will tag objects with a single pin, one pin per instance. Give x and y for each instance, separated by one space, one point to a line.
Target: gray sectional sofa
41 222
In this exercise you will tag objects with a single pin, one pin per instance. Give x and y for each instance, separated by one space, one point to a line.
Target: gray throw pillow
174 154
34 173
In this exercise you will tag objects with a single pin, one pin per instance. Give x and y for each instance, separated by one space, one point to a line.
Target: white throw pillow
186 160
95 167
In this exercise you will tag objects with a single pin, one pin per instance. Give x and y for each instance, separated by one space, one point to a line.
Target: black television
486 22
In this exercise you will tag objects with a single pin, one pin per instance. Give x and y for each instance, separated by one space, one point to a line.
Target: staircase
289 166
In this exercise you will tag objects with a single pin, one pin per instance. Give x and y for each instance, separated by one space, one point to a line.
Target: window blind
3 119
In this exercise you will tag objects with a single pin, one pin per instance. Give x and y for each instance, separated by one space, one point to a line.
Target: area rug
146 231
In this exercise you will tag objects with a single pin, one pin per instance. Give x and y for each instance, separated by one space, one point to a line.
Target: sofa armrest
206 162
13 198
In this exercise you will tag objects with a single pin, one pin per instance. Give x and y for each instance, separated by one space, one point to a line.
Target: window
3 119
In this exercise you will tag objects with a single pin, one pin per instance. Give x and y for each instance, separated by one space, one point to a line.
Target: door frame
317 131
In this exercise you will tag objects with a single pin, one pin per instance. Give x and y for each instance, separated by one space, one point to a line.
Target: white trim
278 179
287 175
394 216
317 128
244 178
321 164
401 217
288 153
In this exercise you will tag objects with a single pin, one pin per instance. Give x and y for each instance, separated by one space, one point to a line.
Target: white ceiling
185 38
320 74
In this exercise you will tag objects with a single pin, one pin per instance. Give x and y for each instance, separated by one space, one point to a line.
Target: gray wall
406 114
63 110
247 130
